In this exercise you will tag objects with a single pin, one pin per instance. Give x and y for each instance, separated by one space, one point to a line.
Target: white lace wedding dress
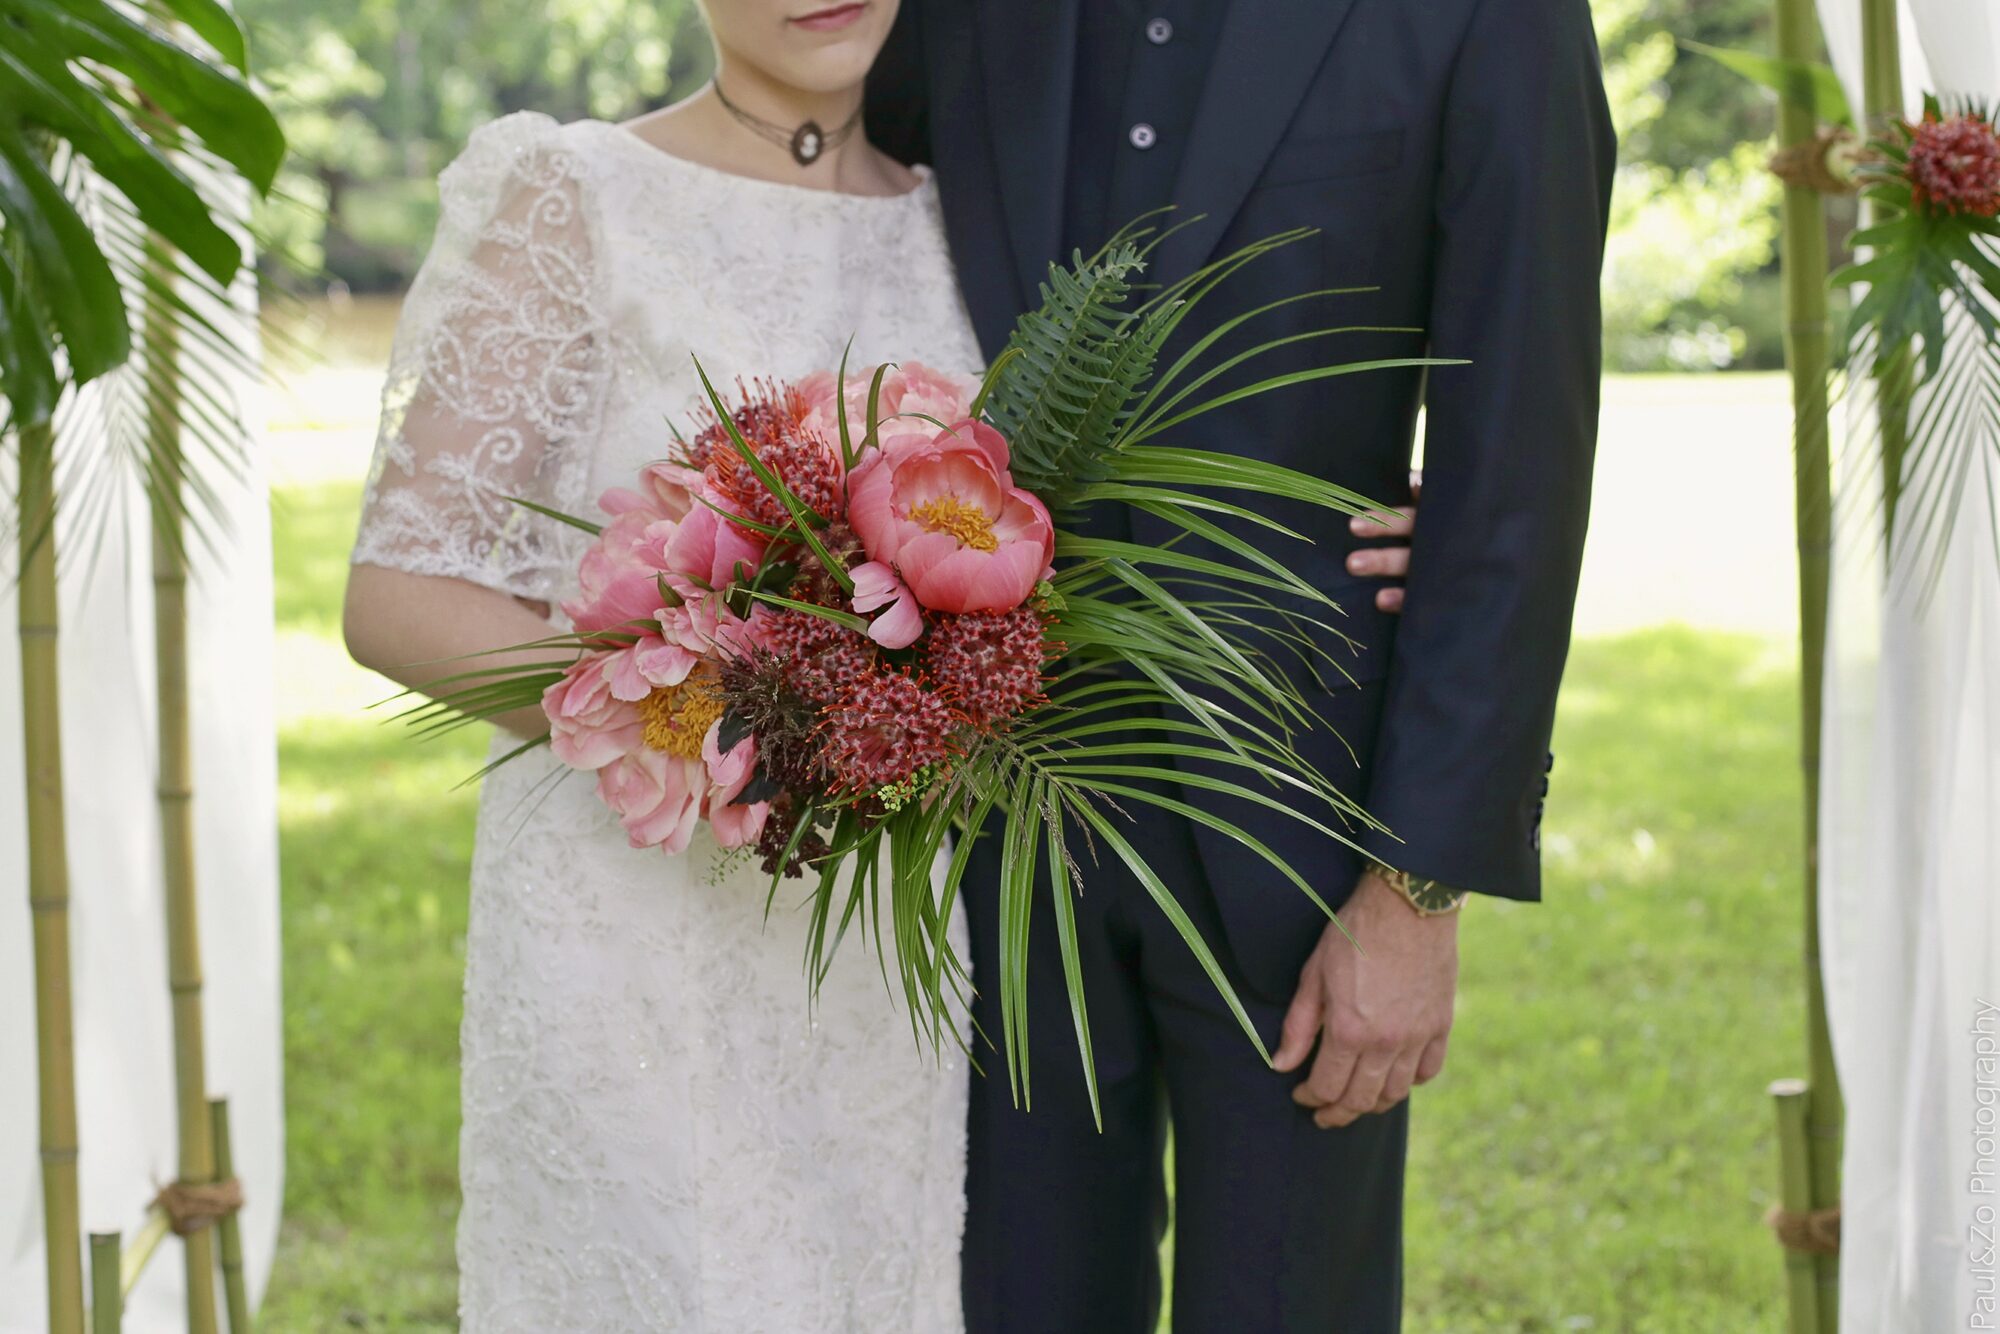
659 1134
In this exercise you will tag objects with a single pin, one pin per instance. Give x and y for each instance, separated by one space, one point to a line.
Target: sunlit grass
1596 1157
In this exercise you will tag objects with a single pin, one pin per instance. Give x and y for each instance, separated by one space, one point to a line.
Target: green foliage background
378 95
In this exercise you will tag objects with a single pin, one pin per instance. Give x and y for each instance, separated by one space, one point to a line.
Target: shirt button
1159 32
1143 135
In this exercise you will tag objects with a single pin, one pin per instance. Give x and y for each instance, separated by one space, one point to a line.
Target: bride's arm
417 629
493 395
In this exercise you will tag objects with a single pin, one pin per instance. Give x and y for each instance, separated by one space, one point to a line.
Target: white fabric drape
1910 834
125 1080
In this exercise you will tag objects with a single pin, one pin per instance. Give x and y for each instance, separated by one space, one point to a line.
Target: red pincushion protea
820 660
886 728
1954 166
771 421
988 664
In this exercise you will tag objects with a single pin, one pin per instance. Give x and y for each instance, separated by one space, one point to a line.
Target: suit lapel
1030 53
1265 60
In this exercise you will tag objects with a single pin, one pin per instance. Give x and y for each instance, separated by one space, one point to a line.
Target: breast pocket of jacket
1331 157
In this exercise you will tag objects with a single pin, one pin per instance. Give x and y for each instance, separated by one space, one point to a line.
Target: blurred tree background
378 95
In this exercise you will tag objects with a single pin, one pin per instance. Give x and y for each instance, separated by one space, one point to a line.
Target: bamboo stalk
229 1228
1804 260
145 1242
107 1295
176 778
1795 1165
48 877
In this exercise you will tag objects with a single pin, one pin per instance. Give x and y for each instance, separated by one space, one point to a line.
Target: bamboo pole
1882 95
176 778
156 1229
1816 1105
1796 1194
48 877
107 1294
230 1228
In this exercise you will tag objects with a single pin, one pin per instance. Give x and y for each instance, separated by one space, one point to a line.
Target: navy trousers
1279 1226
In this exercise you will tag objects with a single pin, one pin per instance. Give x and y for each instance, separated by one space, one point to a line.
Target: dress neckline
925 177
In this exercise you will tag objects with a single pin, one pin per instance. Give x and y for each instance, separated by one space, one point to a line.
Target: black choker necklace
805 143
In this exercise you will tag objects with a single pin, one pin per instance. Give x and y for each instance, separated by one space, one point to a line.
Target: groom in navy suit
1456 158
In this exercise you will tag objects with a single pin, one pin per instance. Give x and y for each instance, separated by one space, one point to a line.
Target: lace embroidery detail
658 1134
496 384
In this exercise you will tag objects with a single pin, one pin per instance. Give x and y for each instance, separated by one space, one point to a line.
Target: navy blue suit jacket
1456 157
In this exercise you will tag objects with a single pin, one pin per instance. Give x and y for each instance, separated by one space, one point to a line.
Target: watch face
1433 897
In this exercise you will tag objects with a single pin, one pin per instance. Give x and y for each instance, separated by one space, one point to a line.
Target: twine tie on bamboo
1811 1231
1825 163
191 1206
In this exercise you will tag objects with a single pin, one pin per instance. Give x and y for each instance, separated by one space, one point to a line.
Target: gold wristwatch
1427 897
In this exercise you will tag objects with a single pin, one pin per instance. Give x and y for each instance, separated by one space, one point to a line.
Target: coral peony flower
618 578
589 726
943 512
1954 166
875 587
912 390
656 795
705 549
735 826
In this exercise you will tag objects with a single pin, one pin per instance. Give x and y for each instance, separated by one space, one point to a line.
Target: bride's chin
818 47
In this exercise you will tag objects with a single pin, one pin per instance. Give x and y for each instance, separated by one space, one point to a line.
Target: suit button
1143 135
1159 32
1549 764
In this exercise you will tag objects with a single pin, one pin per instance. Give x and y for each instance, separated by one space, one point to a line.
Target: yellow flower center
967 523
678 717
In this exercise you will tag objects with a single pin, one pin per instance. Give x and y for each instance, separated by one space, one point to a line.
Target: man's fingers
1331 1072
1389 600
1295 1041
1432 1060
1399 522
1364 1087
1401 1075
1380 562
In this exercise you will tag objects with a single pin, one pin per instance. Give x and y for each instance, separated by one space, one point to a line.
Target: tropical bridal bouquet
847 617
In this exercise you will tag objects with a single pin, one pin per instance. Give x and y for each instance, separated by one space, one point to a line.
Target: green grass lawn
1596 1156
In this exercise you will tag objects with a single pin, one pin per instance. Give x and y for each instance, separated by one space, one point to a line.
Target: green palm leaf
84 81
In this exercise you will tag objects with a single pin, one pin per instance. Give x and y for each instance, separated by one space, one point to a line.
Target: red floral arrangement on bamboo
1953 165
782 622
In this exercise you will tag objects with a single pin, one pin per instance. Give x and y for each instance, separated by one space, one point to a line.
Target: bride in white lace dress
659 1134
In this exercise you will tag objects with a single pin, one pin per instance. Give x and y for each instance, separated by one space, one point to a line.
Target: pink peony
656 795
619 577
875 587
734 826
912 390
706 548
589 726
943 512
645 717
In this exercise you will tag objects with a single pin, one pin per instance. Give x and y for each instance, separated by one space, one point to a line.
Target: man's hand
1382 1013
1392 562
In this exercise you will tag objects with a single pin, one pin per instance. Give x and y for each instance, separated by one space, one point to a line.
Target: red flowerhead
1954 166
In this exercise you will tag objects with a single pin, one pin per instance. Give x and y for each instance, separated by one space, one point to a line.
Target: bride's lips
831 19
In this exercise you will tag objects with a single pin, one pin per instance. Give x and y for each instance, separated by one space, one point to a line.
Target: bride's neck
844 163
754 91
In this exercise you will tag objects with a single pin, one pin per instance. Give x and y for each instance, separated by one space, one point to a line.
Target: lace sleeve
496 382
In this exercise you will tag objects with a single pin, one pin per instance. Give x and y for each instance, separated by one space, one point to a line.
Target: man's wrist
1426 897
